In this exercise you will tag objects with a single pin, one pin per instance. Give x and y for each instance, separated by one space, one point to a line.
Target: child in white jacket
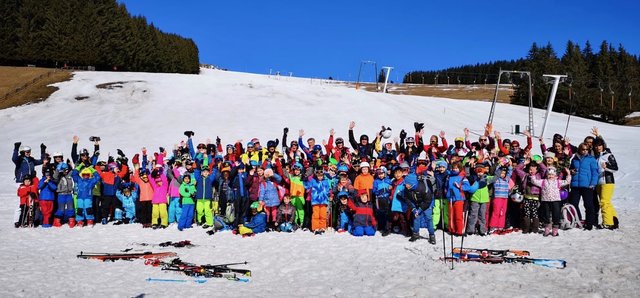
550 198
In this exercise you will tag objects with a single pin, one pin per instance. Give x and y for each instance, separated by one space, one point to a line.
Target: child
381 194
320 189
187 193
204 196
418 194
479 201
47 187
296 189
85 183
127 194
345 216
364 221
65 191
550 197
28 194
258 223
531 202
456 186
440 208
500 198
286 215
159 217
269 194
398 206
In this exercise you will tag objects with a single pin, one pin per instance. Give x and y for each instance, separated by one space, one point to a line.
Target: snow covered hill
139 109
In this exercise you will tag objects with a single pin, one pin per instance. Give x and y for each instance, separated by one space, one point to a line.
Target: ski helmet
410 140
386 133
271 143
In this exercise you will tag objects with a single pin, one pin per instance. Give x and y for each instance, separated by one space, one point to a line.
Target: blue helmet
62 166
297 165
343 168
317 148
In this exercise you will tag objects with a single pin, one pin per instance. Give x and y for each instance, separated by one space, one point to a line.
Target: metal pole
386 78
359 72
552 98
531 130
495 99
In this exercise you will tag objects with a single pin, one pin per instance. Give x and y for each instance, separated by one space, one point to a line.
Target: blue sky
330 38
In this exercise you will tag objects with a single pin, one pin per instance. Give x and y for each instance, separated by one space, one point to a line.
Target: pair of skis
206 271
125 256
492 256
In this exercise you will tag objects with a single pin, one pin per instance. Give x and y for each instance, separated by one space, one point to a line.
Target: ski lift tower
495 96
386 78
375 66
552 98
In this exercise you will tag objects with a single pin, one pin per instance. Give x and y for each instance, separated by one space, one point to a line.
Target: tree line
100 33
602 86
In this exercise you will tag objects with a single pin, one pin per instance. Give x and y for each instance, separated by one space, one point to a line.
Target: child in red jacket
28 193
364 221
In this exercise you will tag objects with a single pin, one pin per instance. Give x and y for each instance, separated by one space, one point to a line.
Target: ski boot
547 231
554 232
414 237
56 222
80 223
535 226
155 227
117 223
432 239
206 226
104 221
72 222
90 223
526 225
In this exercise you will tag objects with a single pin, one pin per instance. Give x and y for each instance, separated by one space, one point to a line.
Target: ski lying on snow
207 271
493 252
200 281
125 256
550 263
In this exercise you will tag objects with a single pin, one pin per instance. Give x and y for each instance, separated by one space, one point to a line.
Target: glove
43 146
403 134
136 159
286 130
97 153
161 149
17 144
218 140
120 153
110 159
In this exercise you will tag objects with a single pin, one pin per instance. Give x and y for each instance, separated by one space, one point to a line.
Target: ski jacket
382 188
187 192
109 182
296 186
530 191
607 165
481 192
269 193
397 203
335 152
550 188
286 213
364 182
161 191
441 184
204 185
363 215
258 223
174 182
501 185
25 165
145 188
320 191
457 185
128 202
66 186
586 168
25 192
421 196
362 150
253 184
85 186
47 189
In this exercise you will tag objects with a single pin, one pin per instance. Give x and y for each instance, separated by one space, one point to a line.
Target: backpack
230 213
570 219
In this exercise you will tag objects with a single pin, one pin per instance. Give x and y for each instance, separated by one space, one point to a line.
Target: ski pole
444 244
225 265
200 281
464 221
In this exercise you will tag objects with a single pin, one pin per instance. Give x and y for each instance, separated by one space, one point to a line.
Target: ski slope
154 109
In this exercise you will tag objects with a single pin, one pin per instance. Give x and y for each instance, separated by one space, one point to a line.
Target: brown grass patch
473 92
12 78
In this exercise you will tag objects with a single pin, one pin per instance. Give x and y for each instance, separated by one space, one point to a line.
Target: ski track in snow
154 109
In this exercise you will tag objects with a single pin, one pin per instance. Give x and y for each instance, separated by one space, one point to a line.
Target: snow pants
456 217
143 212
186 216
159 214
204 207
298 203
440 209
605 192
498 213
84 210
319 217
272 214
245 231
174 210
477 215
107 203
551 212
587 200
286 227
343 222
424 219
360 231
46 208
65 207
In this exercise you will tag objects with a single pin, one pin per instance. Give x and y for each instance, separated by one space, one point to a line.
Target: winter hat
515 143
459 139
410 140
441 163
343 194
381 169
268 173
422 156
411 180
249 144
552 171
339 141
225 169
363 192
404 165
255 140
549 154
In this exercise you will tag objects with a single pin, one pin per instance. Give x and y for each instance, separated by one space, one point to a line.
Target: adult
584 178
364 148
607 165
25 166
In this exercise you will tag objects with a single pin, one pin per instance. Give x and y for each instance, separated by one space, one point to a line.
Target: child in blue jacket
258 223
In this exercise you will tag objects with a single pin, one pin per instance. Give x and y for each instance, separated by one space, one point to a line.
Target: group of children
391 186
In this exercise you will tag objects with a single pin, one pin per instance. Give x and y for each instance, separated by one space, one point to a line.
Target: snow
154 109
